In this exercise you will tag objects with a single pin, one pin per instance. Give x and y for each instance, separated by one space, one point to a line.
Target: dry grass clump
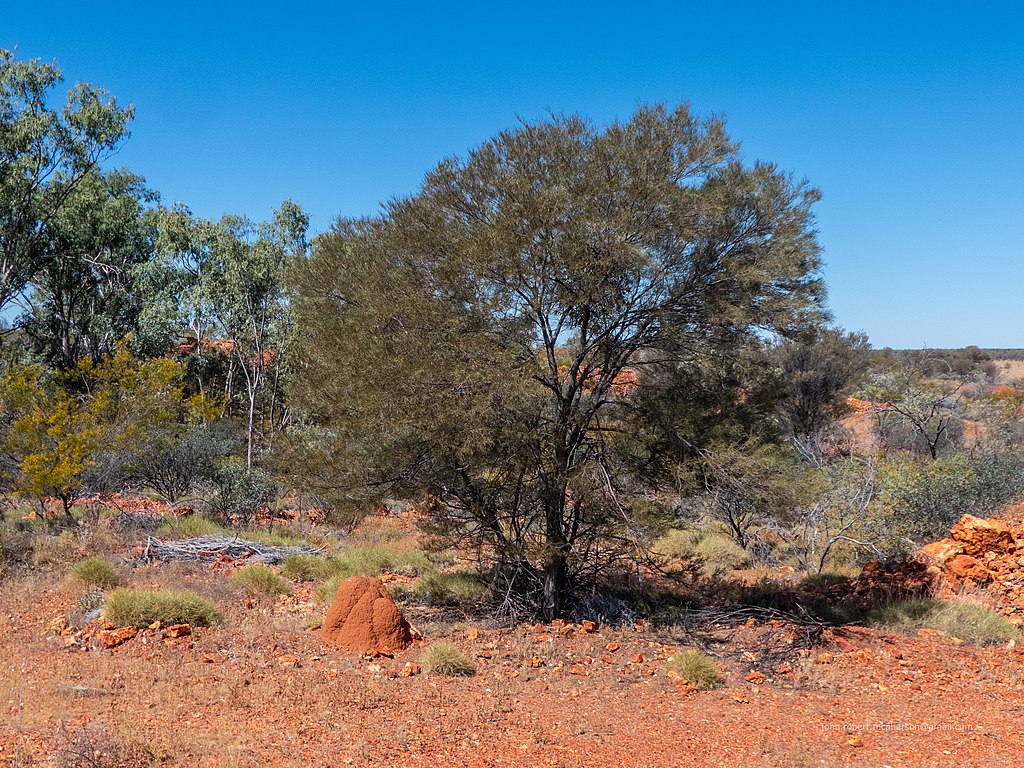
83 747
261 579
971 622
94 572
140 608
445 659
697 668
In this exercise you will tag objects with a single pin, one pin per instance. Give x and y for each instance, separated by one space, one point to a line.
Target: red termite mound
364 618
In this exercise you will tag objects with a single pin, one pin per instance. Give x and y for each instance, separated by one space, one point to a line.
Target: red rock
364 618
588 626
178 630
938 553
111 638
288 660
979 536
967 567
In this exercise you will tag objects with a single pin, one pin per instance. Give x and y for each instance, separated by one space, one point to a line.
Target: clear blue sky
909 117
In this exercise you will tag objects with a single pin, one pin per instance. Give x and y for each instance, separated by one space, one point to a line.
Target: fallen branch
212 547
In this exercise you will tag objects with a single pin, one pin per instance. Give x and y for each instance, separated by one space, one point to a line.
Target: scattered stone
111 638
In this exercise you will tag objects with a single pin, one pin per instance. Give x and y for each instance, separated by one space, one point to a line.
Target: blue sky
909 117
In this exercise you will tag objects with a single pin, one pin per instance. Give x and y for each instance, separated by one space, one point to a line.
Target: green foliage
95 572
45 154
188 527
261 579
67 426
918 502
970 622
445 659
140 608
815 374
308 568
372 560
697 668
479 340
242 491
720 554
172 461
450 588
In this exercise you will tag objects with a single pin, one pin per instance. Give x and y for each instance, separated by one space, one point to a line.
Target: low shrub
61 550
189 527
140 608
450 588
720 554
697 668
260 579
94 572
445 659
971 622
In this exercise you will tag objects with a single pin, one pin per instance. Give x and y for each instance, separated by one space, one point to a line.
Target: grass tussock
716 553
140 608
970 622
259 579
450 588
697 668
372 560
308 568
445 659
94 572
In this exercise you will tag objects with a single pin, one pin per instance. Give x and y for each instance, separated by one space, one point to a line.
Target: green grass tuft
973 623
140 608
94 572
445 659
261 579
697 668
372 560
450 588
308 568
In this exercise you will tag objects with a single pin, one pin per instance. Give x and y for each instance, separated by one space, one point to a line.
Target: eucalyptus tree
485 340
45 154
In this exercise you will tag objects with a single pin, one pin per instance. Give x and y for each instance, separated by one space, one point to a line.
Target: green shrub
94 572
308 568
720 554
450 588
189 527
259 578
697 668
242 491
140 608
970 622
445 659
677 544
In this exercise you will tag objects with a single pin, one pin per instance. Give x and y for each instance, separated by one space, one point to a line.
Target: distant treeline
951 361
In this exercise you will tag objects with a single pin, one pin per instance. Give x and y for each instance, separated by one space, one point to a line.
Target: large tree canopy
45 152
487 339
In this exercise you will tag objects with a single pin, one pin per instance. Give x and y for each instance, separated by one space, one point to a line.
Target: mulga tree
484 340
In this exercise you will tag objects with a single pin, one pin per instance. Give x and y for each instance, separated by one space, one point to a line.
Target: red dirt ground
265 691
